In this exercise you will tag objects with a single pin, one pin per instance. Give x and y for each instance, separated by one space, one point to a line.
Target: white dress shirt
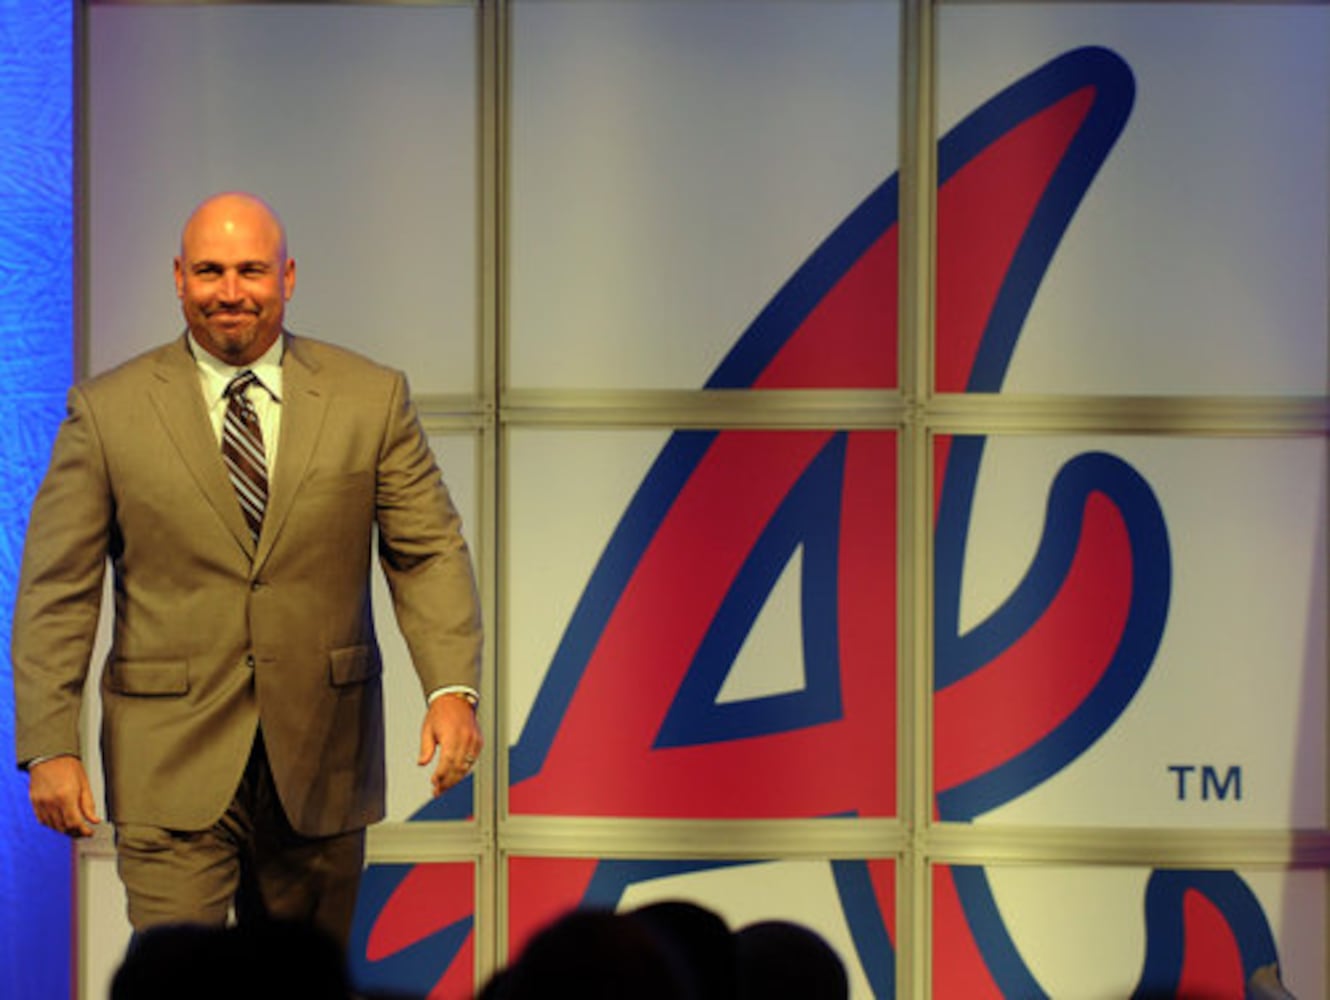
215 375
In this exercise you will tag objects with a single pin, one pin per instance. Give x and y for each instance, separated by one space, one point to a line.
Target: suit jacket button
249 660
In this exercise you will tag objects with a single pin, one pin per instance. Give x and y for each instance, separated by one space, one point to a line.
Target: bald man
233 480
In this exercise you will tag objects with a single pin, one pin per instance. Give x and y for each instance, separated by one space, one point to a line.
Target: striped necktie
242 451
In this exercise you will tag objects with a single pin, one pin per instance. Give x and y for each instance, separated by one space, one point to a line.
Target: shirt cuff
460 690
29 764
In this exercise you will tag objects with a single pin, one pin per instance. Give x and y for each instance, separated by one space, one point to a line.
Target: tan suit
213 636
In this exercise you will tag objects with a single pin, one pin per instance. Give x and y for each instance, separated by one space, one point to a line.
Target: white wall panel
1197 262
357 123
672 164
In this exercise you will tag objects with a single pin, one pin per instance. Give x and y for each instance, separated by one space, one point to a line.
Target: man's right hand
61 796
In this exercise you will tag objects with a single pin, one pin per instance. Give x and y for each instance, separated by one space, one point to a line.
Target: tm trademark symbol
1215 783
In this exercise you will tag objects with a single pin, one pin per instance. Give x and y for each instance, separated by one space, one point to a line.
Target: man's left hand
451 728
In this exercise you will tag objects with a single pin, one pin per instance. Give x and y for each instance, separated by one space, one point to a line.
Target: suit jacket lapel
179 402
304 403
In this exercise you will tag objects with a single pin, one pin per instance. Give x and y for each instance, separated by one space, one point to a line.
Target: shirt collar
217 374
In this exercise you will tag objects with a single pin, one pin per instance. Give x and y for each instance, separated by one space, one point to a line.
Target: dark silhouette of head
594 955
780 959
701 942
264 960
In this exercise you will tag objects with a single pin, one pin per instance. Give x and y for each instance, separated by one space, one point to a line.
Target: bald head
233 276
231 211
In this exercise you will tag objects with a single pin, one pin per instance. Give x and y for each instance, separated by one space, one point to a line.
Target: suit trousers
250 864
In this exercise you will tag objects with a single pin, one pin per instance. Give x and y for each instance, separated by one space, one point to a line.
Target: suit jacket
213 636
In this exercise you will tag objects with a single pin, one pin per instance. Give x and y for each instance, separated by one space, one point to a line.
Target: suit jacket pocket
353 665
150 677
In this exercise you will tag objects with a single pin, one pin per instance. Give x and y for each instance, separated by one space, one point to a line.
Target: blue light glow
36 330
